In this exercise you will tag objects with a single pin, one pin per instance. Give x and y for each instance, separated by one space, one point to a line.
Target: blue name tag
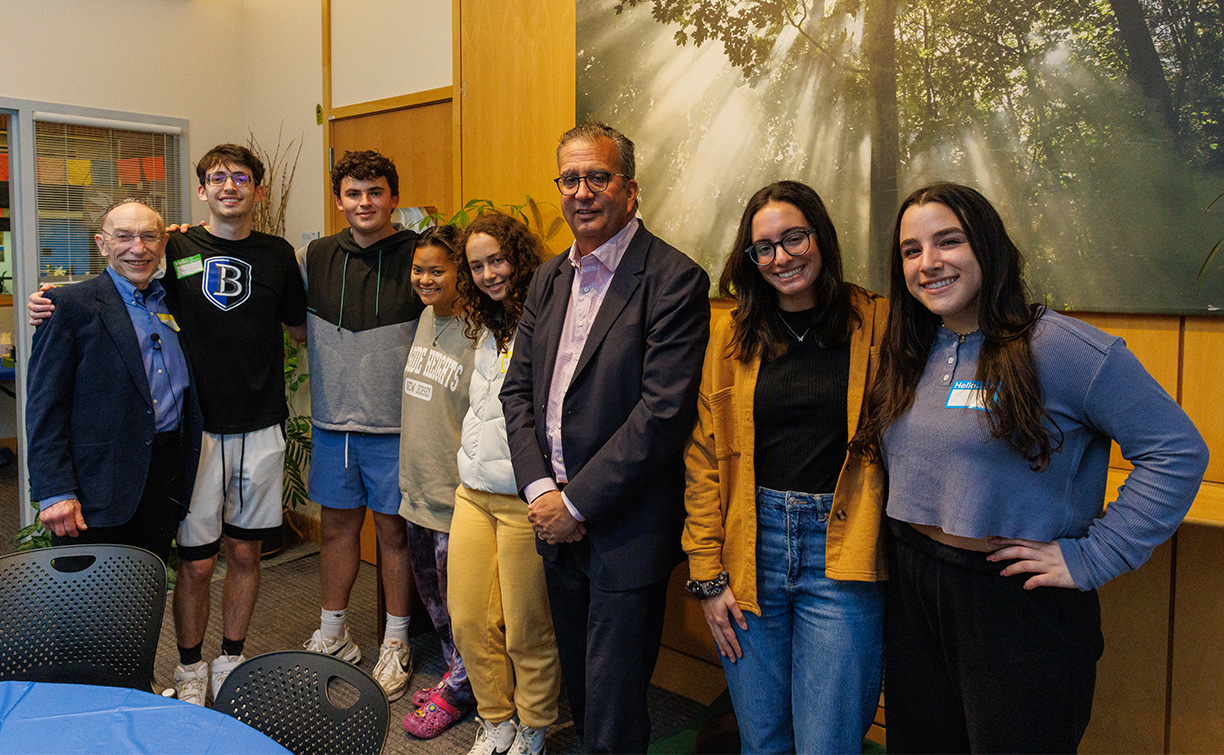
966 394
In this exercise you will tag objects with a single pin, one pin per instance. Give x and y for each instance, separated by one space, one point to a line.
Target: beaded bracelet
707 588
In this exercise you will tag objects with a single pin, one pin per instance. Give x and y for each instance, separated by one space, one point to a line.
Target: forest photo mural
1096 126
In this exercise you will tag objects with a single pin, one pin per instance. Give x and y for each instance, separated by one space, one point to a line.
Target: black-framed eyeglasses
796 242
596 181
123 238
239 179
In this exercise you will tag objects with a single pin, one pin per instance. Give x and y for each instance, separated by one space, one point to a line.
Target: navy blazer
89 412
629 409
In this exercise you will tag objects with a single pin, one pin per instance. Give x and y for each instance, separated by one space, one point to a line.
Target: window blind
81 170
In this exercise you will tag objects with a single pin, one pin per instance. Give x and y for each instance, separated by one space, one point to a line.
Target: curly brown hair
366 165
524 250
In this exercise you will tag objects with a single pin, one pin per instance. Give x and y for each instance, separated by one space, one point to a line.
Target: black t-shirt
799 412
230 298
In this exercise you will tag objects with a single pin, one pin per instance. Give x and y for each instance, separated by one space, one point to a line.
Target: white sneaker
221 668
528 741
394 668
493 739
191 683
342 647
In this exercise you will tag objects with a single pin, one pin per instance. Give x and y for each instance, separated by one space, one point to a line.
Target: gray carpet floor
287 613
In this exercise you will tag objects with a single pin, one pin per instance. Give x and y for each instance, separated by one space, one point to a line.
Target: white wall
283 83
386 48
224 65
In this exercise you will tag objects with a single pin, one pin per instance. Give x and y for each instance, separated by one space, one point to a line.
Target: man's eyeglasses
123 238
596 182
239 179
794 241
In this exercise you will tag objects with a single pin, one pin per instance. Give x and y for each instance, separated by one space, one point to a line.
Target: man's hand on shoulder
63 518
39 306
552 521
182 227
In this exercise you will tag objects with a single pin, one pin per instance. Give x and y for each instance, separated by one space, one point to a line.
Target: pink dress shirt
592 274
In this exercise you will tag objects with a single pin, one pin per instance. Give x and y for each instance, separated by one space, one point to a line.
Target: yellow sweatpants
499 609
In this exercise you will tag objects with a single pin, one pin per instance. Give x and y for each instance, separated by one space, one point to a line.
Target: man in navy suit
112 422
599 399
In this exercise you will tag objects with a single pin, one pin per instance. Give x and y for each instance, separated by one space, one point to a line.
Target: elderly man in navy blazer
599 399
112 422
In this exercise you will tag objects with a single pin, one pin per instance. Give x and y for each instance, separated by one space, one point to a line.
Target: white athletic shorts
238 490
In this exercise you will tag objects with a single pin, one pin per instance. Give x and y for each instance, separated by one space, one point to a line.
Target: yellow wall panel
1154 340
1197 711
1128 713
1202 389
517 82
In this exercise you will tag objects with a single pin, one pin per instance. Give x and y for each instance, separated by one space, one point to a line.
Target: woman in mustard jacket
783 528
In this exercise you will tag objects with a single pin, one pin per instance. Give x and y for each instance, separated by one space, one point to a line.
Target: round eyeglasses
796 242
596 181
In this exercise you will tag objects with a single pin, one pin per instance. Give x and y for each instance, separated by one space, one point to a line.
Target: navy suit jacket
628 411
89 412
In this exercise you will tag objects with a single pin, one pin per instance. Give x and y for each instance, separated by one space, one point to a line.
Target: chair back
290 697
81 614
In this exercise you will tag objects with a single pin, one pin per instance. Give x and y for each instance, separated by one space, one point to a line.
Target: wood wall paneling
1202 396
418 139
518 83
1128 713
1155 341
1197 712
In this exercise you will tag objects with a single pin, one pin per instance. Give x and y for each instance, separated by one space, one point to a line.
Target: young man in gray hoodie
361 317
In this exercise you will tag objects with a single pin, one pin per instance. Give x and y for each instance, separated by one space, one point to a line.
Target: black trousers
608 643
159 512
976 663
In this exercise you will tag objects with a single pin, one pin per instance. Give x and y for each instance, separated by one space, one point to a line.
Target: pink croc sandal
432 718
421 696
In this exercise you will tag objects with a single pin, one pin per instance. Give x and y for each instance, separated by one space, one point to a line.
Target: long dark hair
1015 410
758 332
524 251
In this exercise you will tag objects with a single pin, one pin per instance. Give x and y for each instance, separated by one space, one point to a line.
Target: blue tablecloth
79 718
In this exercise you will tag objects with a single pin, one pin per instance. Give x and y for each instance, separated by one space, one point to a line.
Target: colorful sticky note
79 172
154 167
51 170
128 169
104 172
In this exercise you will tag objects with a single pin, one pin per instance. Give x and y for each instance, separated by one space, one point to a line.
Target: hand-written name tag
966 394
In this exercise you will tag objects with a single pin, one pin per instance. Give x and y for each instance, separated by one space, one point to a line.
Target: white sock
331 623
397 628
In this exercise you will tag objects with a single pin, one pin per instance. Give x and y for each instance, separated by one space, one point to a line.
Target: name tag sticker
966 394
188 266
505 361
168 320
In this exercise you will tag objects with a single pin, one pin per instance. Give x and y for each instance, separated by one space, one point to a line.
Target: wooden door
419 139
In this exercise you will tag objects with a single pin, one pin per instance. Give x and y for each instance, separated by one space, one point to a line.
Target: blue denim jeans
809 680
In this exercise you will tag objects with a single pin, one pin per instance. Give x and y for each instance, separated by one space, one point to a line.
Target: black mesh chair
307 702
83 614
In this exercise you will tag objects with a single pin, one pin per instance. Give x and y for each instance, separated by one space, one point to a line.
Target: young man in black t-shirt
231 289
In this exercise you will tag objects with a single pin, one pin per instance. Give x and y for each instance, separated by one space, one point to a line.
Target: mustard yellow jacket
720 495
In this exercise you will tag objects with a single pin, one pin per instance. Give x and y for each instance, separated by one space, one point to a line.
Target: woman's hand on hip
1045 560
718 611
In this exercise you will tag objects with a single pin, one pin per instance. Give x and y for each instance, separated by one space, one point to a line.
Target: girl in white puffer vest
497 597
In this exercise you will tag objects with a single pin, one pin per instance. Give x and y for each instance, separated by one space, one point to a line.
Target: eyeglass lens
219 179
794 242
